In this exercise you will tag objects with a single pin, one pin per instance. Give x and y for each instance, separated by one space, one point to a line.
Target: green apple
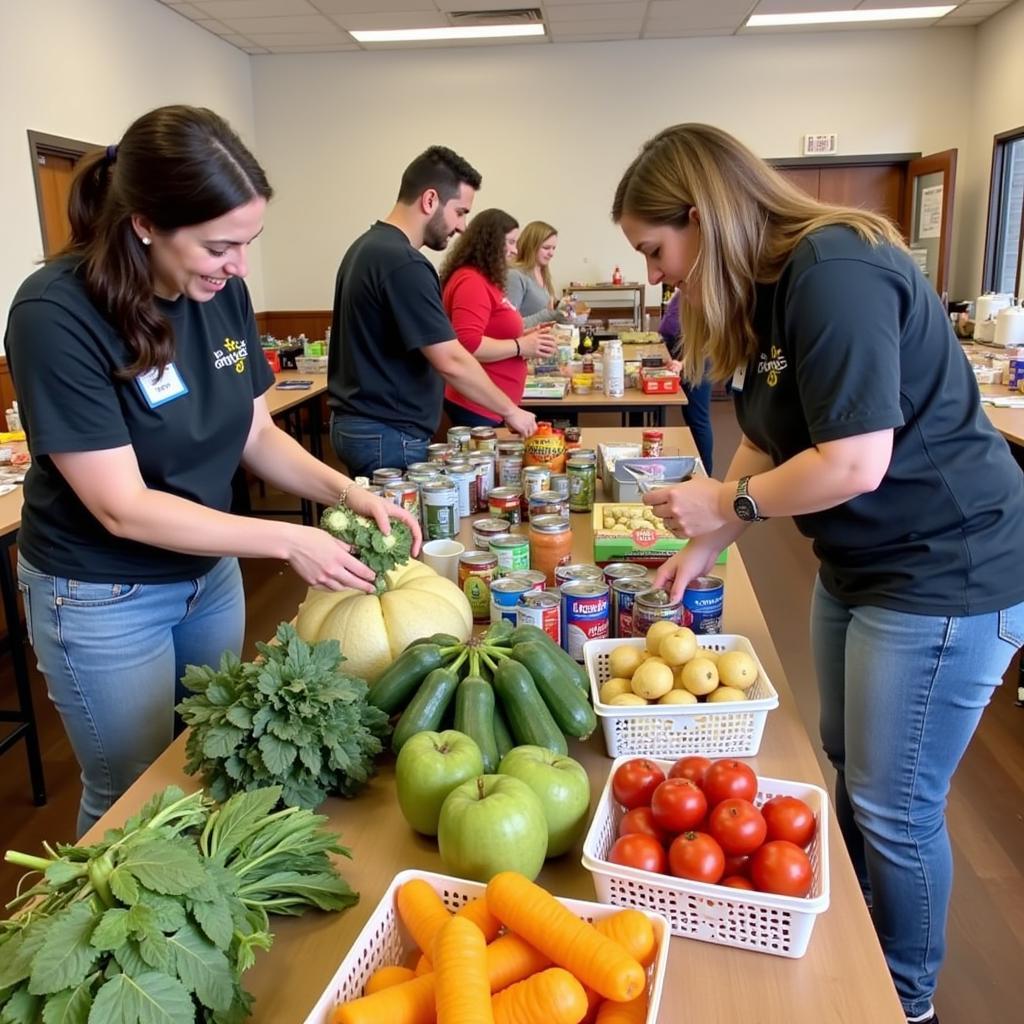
561 785
492 823
429 767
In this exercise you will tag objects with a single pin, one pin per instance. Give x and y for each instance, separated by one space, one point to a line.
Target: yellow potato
657 632
679 647
612 688
737 669
707 652
724 694
653 679
625 660
699 676
678 697
628 699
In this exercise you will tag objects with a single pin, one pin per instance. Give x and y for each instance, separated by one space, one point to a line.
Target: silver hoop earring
146 240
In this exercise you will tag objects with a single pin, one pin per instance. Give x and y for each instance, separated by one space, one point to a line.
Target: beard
435 235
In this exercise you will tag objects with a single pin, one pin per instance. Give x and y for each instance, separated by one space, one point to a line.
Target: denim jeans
697 415
112 655
365 445
901 696
463 417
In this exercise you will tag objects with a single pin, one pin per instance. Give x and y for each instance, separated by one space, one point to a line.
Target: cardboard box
642 541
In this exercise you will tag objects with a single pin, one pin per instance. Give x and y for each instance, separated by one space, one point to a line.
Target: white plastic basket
780 925
731 729
384 941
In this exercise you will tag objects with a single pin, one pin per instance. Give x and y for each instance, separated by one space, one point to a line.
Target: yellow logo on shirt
234 353
773 366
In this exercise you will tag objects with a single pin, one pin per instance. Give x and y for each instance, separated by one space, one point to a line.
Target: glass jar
550 545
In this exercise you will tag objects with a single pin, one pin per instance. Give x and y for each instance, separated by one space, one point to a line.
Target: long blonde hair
531 238
751 220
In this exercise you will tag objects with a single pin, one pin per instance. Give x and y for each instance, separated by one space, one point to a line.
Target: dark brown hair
441 169
482 245
176 166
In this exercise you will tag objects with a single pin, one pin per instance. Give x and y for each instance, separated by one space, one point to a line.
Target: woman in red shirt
487 324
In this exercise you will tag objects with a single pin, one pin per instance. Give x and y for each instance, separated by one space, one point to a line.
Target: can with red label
406 494
624 593
702 604
623 570
504 503
585 614
543 609
653 443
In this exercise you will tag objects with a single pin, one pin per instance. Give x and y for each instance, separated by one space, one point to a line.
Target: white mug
443 557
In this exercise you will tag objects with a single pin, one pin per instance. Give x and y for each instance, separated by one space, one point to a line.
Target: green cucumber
568 706
502 737
474 716
441 639
425 712
527 715
498 632
395 687
571 668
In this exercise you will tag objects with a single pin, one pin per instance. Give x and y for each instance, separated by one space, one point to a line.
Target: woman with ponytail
141 382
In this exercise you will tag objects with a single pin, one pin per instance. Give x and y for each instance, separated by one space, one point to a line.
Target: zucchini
502 737
425 712
474 716
441 639
527 715
395 687
498 632
571 668
568 706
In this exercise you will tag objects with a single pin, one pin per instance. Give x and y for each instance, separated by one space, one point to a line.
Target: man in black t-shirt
393 347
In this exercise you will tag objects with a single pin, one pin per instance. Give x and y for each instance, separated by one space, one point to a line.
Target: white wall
551 128
85 69
998 107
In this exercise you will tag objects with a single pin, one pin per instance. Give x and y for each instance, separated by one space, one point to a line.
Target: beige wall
84 69
552 127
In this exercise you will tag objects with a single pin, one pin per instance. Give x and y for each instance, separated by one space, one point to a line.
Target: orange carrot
537 917
510 959
477 912
553 996
385 977
422 912
633 931
412 1002
462 993
423 965
633 1012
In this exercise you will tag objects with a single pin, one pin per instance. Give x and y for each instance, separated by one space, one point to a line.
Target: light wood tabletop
280 400
842 979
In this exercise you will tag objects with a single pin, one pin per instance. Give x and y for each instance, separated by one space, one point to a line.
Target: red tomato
641 821
635 781
737 865
789 818
738 882
695 855
727 779
639 851
692 768
678 805
737 826
781 867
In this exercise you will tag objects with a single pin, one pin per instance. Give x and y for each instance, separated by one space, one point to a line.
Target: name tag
159 389
738 377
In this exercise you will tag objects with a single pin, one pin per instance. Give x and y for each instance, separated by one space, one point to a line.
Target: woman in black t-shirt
861 419
138 367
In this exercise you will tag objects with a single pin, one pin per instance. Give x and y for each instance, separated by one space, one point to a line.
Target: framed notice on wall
930 223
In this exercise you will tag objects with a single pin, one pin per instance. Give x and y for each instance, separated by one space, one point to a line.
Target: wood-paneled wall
281 323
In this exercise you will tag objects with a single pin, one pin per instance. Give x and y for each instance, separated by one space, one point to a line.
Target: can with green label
582 475
512 551
439 500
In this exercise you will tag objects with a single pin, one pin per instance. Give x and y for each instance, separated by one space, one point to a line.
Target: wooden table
841 980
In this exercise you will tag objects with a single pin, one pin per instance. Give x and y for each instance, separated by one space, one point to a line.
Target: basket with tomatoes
726 855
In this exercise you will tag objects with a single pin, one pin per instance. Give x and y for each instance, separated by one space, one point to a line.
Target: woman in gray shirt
528 282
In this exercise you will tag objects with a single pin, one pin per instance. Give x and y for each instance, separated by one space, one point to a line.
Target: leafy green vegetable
158 922
292 719
381 552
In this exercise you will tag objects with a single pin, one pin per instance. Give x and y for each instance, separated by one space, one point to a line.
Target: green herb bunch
381 552
157 923
292 719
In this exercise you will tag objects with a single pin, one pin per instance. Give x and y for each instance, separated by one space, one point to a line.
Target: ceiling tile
484 5
188 10
591 37
662 30
318 48
373 6
298 23
628 27
253 8
597 12
803 6
273 39
984 9
693 14
376 21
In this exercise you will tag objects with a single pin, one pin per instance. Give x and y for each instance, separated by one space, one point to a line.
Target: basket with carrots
442 949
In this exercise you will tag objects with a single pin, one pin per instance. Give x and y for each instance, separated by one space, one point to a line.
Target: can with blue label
505 595
702 604
585 614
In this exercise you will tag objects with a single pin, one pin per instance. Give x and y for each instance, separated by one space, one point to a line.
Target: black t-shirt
387 307
853 339
64 355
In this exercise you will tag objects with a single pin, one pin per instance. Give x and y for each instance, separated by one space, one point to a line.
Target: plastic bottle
616 276
614 370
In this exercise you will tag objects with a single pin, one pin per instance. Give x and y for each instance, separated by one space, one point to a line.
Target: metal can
483 439
405 494
572 437
655 606
484 462
476 574
534 479
585 453
542 609
504 503
549 503
505 595
374 489
458 438
422 467
510 463
386 475
439 500
534 578
422 476
512 551
702 604
624 592
463 475
585 613
582 484
485 529
623 570
439 452
577 571
559 482
652 444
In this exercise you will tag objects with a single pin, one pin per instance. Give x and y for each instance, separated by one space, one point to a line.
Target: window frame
1000 143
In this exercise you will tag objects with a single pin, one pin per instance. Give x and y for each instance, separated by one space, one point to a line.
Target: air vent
513 16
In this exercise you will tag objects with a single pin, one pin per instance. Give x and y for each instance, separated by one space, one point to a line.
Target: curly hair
482 245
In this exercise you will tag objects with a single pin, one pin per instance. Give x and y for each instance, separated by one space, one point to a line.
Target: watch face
745 508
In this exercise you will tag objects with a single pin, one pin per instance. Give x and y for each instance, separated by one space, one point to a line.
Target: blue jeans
463 417
365 445
697 414
113 654
901 696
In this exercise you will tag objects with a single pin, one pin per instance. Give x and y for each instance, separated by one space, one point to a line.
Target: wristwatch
744 505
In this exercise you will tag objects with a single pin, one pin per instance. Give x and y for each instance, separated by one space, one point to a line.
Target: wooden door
55 171
928 214
875 187
805 178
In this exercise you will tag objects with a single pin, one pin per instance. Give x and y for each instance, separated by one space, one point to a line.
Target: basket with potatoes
675 692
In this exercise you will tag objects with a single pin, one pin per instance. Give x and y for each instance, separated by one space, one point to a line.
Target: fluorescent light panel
419 35
839 17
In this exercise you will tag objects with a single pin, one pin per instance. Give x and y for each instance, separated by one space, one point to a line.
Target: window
1005 214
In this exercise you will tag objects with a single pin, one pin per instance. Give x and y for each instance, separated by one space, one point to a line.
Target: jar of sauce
550 545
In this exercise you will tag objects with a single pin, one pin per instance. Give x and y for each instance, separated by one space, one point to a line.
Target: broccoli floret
381 552
337 521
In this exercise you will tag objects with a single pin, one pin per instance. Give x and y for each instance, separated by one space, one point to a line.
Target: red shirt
477 309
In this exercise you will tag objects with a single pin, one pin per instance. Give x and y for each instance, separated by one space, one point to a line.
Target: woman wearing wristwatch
487 324
861 419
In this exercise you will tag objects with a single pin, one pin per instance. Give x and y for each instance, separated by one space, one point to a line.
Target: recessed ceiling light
839 17
416 35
